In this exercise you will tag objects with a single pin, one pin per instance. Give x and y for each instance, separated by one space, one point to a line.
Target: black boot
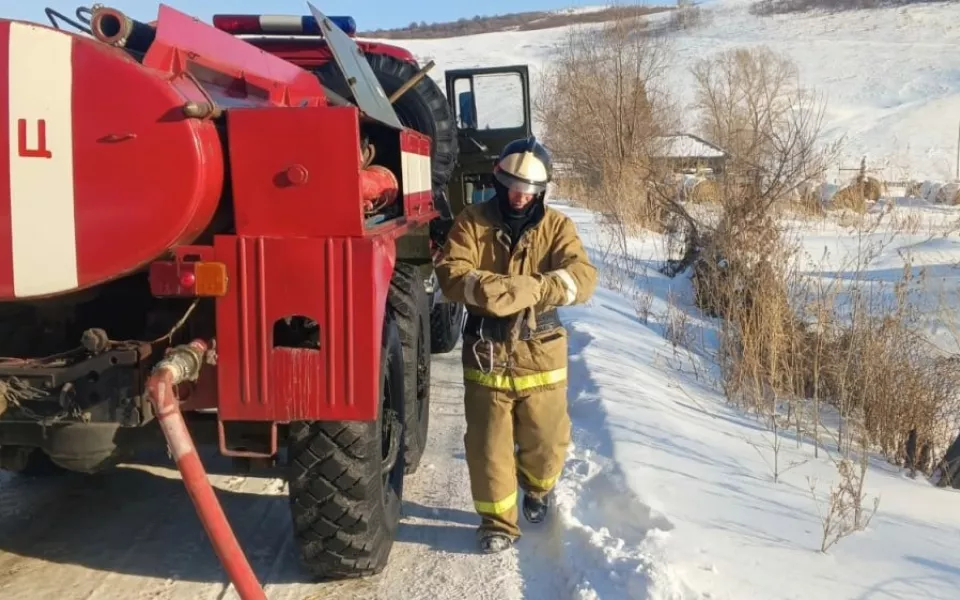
535 509
492 542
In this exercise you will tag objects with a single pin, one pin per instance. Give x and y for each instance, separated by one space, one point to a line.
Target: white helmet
524 166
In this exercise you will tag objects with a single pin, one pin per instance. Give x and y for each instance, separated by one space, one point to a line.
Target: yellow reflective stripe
501 382
497 508
517 384
544 484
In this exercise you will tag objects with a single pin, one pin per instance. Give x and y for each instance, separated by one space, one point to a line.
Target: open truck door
492 108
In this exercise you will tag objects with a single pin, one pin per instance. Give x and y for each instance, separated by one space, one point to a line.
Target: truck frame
244 257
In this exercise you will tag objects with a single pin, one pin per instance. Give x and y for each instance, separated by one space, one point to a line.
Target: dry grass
909 224
948 193
855 348
879 372
852 197
703 191
873 189
857 351
808 205
859 194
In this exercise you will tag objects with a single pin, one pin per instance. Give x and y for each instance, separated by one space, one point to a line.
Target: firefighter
512 261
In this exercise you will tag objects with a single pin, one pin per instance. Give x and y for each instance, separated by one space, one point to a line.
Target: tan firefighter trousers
518 429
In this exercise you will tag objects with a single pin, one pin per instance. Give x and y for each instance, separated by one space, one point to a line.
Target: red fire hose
183 364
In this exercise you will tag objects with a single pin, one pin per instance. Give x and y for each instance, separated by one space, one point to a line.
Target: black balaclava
518 221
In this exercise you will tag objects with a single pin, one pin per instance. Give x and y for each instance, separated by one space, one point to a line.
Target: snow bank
697 504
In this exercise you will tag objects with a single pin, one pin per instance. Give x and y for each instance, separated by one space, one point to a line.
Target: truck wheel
346 479
28 462
408 301
423 108
446 320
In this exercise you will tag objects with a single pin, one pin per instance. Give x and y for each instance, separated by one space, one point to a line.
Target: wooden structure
687 153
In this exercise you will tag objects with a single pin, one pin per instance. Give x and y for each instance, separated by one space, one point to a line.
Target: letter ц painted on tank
41 150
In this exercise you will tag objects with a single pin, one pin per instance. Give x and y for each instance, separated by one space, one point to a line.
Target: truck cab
492 108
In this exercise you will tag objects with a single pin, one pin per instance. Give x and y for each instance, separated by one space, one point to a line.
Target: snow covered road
132 533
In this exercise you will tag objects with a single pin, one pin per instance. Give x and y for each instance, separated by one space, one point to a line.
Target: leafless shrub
882 374
677 324
778 423
642 303
749 104
844 514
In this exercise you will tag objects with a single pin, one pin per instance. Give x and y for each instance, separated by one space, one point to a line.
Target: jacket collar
493 212
502 231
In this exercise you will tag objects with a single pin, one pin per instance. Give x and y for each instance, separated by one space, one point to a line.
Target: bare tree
751 104
605 107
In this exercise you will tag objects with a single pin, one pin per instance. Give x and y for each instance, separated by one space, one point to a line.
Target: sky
369 14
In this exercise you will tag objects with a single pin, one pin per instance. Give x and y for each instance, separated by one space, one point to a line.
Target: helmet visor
519 185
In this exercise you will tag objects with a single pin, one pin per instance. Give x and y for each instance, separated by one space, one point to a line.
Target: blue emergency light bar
279 24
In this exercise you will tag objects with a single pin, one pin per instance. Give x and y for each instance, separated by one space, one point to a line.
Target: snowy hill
516 21
890 75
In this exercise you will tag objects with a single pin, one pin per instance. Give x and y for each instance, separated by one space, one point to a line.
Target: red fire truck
224 234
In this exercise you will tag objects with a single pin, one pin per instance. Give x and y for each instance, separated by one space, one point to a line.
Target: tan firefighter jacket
547 268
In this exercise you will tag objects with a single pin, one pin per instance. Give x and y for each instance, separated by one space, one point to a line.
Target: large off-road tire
423 108
408 301
446 321
346 479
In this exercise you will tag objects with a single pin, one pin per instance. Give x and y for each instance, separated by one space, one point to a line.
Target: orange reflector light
211 279
188 279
